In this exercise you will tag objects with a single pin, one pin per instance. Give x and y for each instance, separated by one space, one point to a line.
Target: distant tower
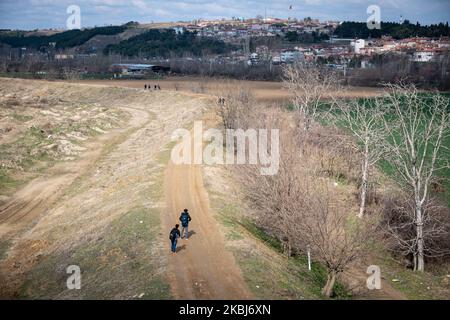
401 19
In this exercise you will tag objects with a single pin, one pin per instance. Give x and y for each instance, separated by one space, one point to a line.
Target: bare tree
417 126
335 239
310 85
236 106
363 118
399 224
275 197
296 207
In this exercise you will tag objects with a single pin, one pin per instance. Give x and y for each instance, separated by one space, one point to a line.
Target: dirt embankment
101 209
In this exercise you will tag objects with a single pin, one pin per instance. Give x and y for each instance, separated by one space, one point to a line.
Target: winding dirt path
202 268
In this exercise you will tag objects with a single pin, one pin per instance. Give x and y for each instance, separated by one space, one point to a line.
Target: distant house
64 56
179 30
290 56
423 56
256 27
276 60
358 45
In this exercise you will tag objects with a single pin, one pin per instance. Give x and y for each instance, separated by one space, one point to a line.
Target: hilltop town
255 48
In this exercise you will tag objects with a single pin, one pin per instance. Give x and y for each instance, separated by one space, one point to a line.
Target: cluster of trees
168 43
34 67
304 37
410 132
396 30
63 40
392 67
404 130
297 205
242 71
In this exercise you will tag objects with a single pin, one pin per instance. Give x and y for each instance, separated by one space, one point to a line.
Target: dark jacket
175 232
185 218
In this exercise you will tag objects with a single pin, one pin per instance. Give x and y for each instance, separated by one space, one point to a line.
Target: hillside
63 40
167 43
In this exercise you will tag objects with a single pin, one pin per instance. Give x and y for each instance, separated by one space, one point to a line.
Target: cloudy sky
32 14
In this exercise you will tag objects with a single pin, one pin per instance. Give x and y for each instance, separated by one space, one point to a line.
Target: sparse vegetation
115 265
278 202
42 129
261 258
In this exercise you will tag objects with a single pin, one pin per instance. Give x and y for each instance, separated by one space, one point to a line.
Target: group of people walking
149 87
175 234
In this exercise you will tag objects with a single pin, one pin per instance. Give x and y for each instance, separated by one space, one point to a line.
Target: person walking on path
173 236
185 218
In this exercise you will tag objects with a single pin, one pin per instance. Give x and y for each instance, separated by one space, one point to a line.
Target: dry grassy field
264 91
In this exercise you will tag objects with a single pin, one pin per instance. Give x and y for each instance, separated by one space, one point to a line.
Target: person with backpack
185 218
173 236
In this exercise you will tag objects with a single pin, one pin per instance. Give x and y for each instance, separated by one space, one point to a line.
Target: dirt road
202 268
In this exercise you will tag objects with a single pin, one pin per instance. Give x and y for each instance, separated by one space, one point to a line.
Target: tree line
403 30
63 40
304 37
